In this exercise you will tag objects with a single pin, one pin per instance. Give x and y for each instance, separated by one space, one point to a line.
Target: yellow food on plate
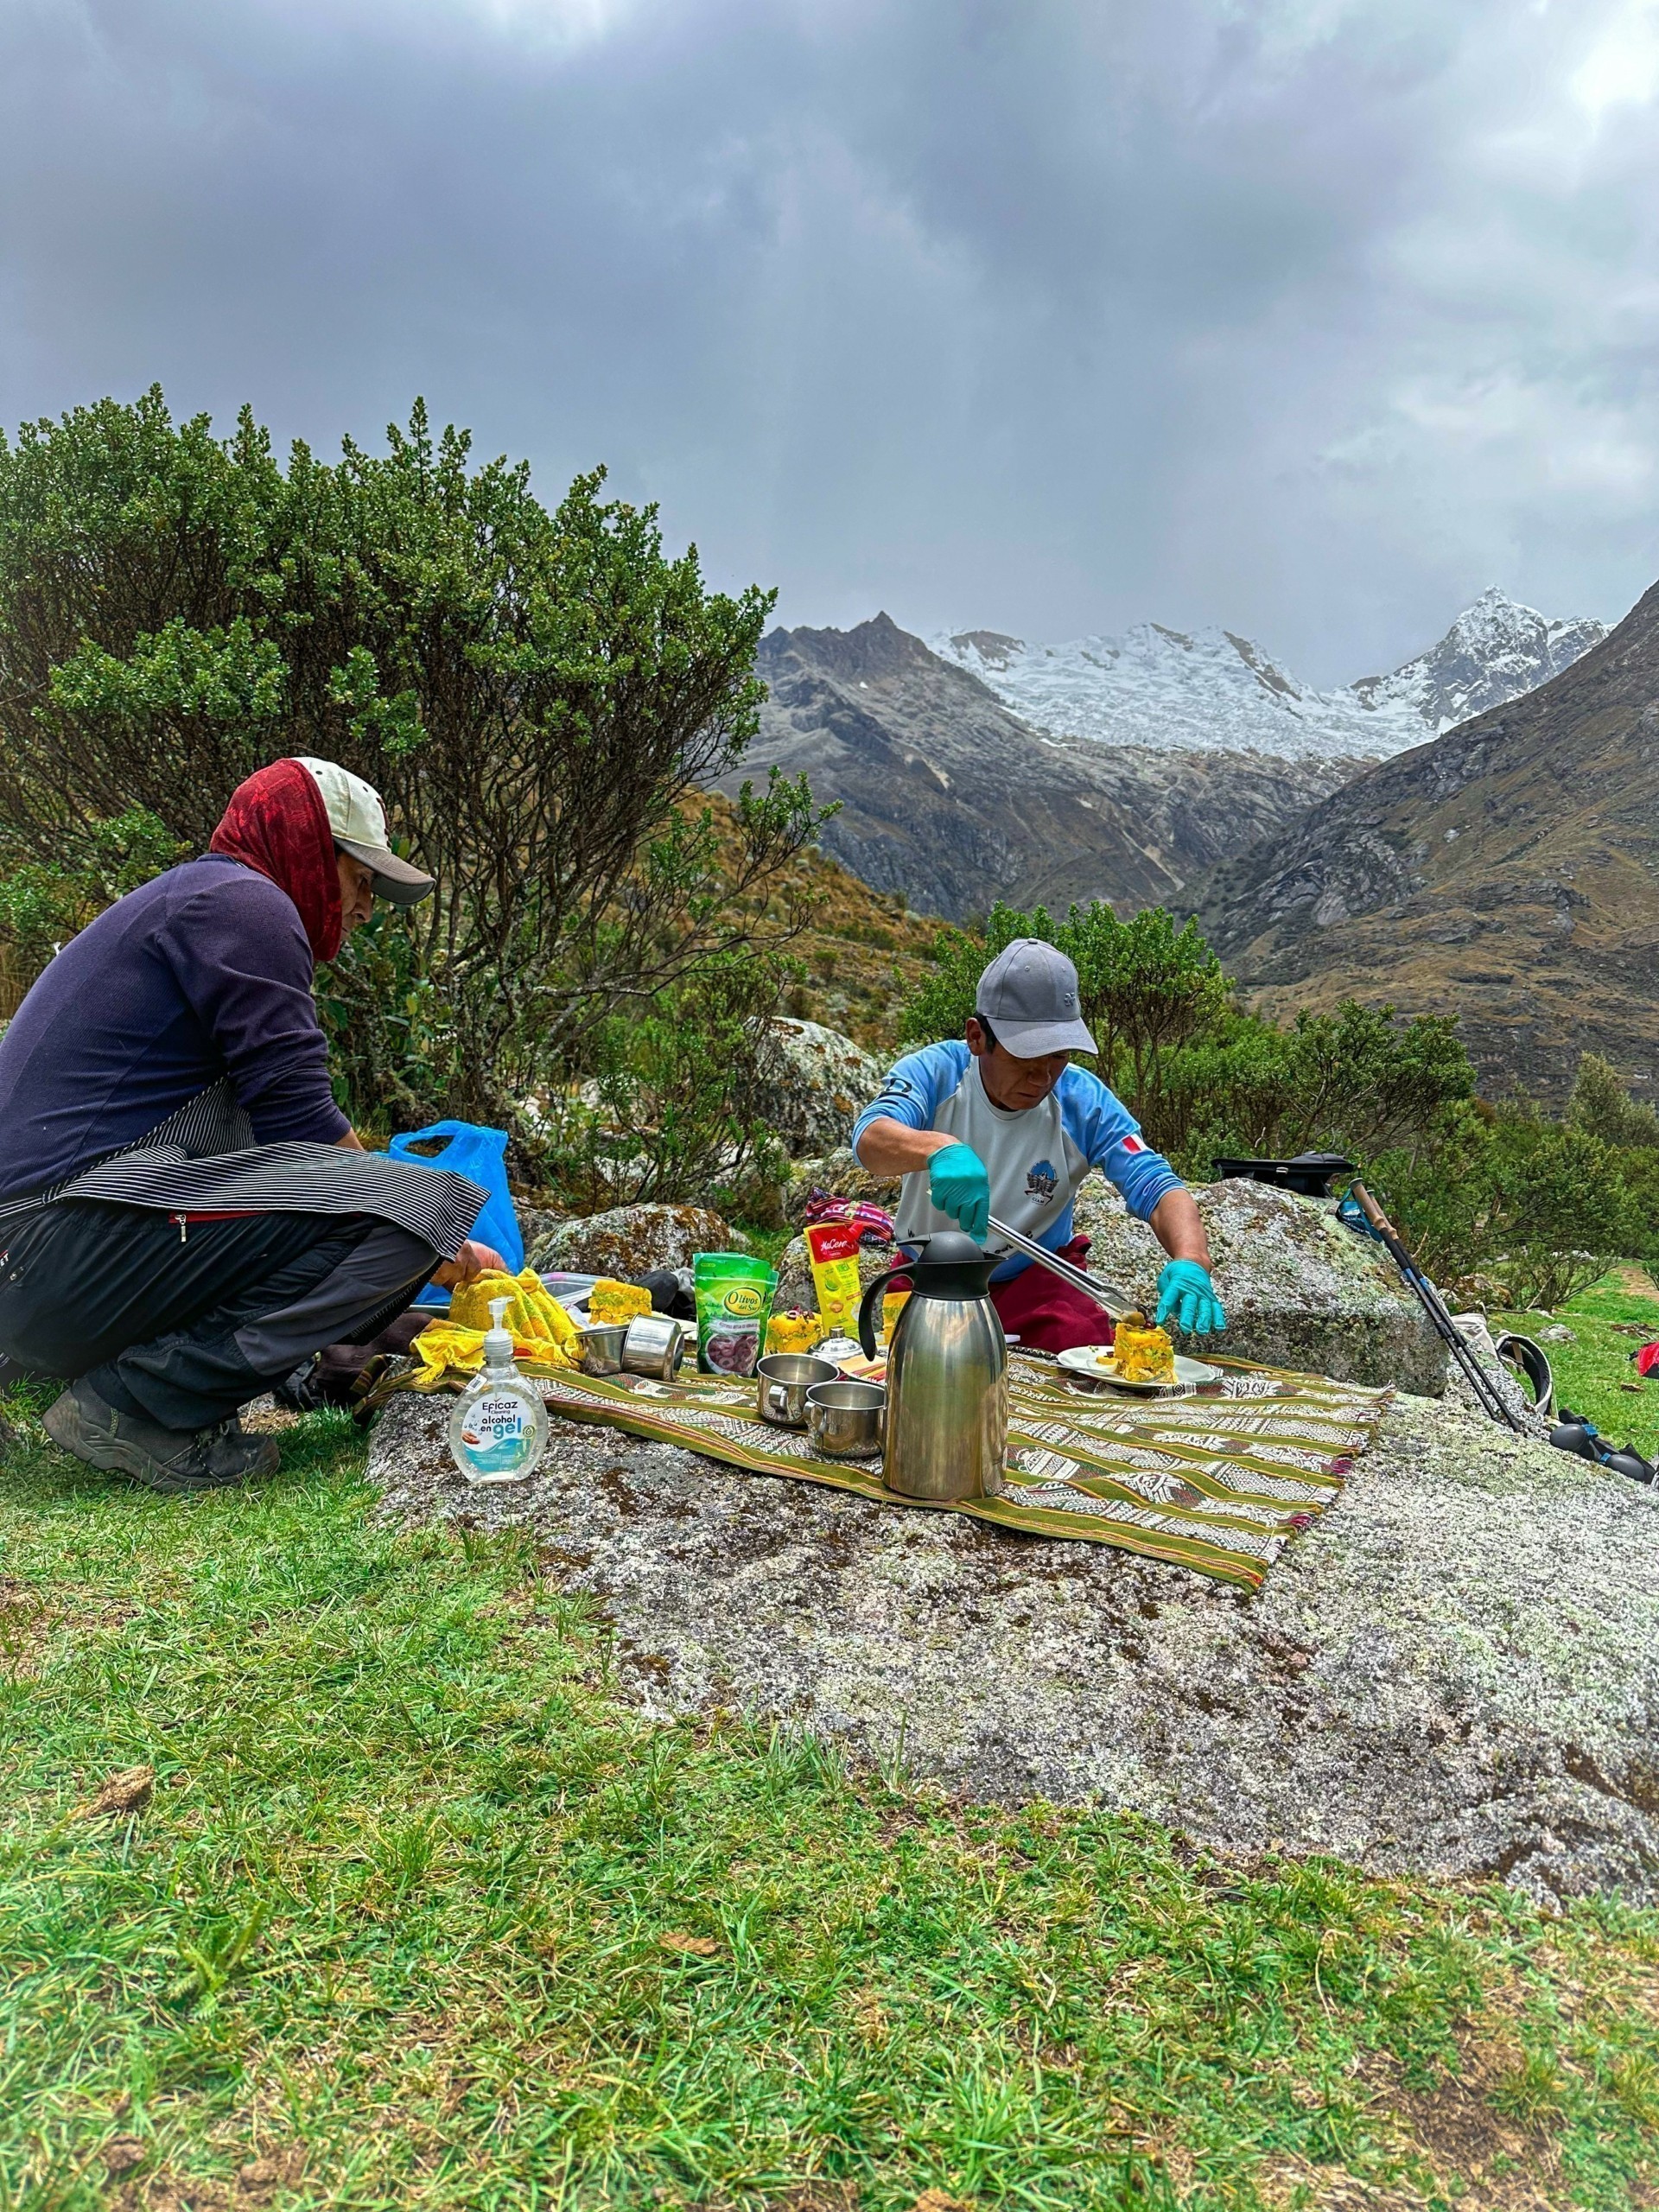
795 1331
1142 1354
610 1303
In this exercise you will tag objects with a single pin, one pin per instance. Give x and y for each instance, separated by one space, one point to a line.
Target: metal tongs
1117 1302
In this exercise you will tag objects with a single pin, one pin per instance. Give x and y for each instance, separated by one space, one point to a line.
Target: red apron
1048 1314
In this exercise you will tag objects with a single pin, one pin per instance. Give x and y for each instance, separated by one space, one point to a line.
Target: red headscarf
277 824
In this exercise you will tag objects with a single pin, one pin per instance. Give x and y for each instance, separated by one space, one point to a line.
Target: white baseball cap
358 822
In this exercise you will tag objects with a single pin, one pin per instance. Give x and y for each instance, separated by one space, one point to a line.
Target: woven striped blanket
1218 1482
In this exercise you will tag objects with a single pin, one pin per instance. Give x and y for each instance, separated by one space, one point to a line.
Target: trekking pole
1490 1398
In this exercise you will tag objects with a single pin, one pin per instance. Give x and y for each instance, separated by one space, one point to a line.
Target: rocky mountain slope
1509 871
1214 691
949 800
862 954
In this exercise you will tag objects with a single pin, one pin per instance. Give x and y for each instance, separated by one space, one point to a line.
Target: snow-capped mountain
1494 652
1213 692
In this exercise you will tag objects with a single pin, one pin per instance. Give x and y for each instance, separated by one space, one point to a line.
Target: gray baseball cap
1029 995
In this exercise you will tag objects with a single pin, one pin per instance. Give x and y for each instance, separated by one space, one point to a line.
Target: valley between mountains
949 800
1507 869
1507 872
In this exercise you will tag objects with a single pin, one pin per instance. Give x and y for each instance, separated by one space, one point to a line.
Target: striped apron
202 1159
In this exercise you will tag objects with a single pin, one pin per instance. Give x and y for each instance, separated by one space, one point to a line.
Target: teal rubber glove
958 1186
1186 1295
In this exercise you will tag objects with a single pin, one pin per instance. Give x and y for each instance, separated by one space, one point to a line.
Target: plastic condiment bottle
498 1432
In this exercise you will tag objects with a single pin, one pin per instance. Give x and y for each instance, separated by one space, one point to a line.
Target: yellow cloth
441 1348
542 1332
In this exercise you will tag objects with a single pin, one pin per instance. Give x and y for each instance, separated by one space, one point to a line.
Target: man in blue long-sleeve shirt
178 1229
204 973
1003 1124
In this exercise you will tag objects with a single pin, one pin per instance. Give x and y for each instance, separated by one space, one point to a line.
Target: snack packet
832 1247
733 1295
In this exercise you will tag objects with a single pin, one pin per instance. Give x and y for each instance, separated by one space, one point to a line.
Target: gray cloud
1308 316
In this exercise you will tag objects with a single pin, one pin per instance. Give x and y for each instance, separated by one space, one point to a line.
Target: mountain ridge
950 799
1508 870
1216 689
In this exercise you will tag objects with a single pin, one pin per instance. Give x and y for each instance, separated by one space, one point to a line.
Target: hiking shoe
164 1459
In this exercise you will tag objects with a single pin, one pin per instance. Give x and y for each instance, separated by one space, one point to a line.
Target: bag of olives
734 1300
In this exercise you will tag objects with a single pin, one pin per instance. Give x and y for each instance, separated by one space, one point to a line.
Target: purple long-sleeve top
202 974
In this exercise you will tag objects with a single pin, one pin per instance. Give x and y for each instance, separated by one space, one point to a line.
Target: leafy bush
1518 1209
1357 1081
42 906
672 1110
537 695
1602 1107
1201 1077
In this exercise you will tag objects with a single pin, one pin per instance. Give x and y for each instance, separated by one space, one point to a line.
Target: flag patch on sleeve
1133 1144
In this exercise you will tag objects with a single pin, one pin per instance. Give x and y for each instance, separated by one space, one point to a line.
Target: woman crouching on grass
186 1215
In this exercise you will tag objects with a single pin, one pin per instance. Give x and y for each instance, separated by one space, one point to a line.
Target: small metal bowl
845 1420
654 1345
782 1380
598 1347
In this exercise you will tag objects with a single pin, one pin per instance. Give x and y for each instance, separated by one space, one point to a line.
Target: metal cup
845 1420
654 1345
598 1347
783 1380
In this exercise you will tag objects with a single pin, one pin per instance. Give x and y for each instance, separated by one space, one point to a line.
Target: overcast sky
1307 317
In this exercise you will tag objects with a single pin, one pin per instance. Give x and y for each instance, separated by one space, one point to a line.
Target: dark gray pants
186 1329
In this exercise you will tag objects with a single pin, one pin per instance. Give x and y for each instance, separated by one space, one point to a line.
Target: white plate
1089 1360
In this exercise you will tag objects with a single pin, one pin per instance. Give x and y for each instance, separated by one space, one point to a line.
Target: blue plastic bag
481 1155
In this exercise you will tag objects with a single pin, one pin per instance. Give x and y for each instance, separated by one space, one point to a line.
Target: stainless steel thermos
947 1426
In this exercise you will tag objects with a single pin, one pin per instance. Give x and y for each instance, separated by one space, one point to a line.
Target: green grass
1595 1374
768 1244
422 1914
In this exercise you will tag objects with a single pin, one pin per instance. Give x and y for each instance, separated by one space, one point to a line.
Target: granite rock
816 1082
536 1224
1300 1290
1454 1672
631 1241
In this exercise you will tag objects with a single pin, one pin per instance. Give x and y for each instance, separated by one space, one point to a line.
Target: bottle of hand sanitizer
498 1432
